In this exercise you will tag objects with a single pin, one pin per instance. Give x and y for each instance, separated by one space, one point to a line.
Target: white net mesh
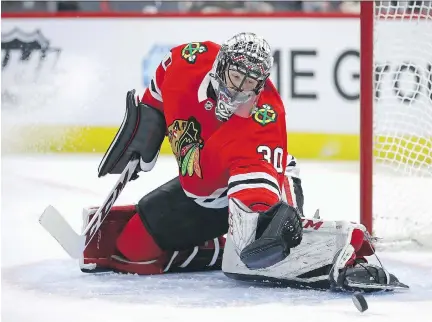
403 121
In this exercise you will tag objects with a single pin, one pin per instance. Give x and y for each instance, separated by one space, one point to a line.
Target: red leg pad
103 243
136 244
123 244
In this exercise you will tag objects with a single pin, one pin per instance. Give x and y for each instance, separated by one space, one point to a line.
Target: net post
366 112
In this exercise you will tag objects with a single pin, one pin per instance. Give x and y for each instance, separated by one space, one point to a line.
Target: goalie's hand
288 220
279 229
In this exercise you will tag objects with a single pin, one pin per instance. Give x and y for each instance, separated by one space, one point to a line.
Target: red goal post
366 112
396 120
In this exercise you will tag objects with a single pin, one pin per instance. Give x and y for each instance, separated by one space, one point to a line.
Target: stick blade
59 228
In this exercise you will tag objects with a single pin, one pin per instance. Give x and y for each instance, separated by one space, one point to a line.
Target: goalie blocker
141 133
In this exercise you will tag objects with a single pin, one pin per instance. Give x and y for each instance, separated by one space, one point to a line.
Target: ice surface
40 283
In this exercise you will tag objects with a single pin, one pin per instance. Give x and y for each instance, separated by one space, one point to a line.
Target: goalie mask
239 73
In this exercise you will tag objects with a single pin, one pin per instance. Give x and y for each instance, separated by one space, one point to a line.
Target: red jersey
242 157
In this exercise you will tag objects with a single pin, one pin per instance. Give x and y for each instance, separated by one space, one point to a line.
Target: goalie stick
73 243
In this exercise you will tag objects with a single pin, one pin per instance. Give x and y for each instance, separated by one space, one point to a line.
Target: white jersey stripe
246 186
253 175
156 95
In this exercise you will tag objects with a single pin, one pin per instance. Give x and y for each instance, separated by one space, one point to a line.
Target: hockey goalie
225 122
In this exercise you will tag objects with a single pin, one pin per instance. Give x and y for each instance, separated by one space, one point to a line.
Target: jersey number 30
273 157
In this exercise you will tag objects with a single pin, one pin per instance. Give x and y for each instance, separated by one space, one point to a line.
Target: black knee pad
176 221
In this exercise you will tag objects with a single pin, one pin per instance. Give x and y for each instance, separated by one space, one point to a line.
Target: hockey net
396 129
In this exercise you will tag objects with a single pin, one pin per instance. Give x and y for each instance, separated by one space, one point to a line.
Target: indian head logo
186 143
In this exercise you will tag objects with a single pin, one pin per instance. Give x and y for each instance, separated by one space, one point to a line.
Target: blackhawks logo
186 143
191 50
265 114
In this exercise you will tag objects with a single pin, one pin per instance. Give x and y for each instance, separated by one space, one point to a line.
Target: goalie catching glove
264 239
140 134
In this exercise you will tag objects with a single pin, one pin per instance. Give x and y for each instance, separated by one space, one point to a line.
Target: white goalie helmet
239 73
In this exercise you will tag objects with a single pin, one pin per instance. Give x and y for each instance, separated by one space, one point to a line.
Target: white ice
40 283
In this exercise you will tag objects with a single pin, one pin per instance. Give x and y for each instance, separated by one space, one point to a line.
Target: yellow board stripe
317 146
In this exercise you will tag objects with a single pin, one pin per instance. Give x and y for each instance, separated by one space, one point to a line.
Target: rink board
98 139
73 99
318 146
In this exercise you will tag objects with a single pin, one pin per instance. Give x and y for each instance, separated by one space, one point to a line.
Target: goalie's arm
255 176
263 226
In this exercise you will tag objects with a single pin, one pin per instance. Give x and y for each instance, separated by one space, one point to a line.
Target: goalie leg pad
102 253
328 250
136 244
123 245
97 255
141 133
157 236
